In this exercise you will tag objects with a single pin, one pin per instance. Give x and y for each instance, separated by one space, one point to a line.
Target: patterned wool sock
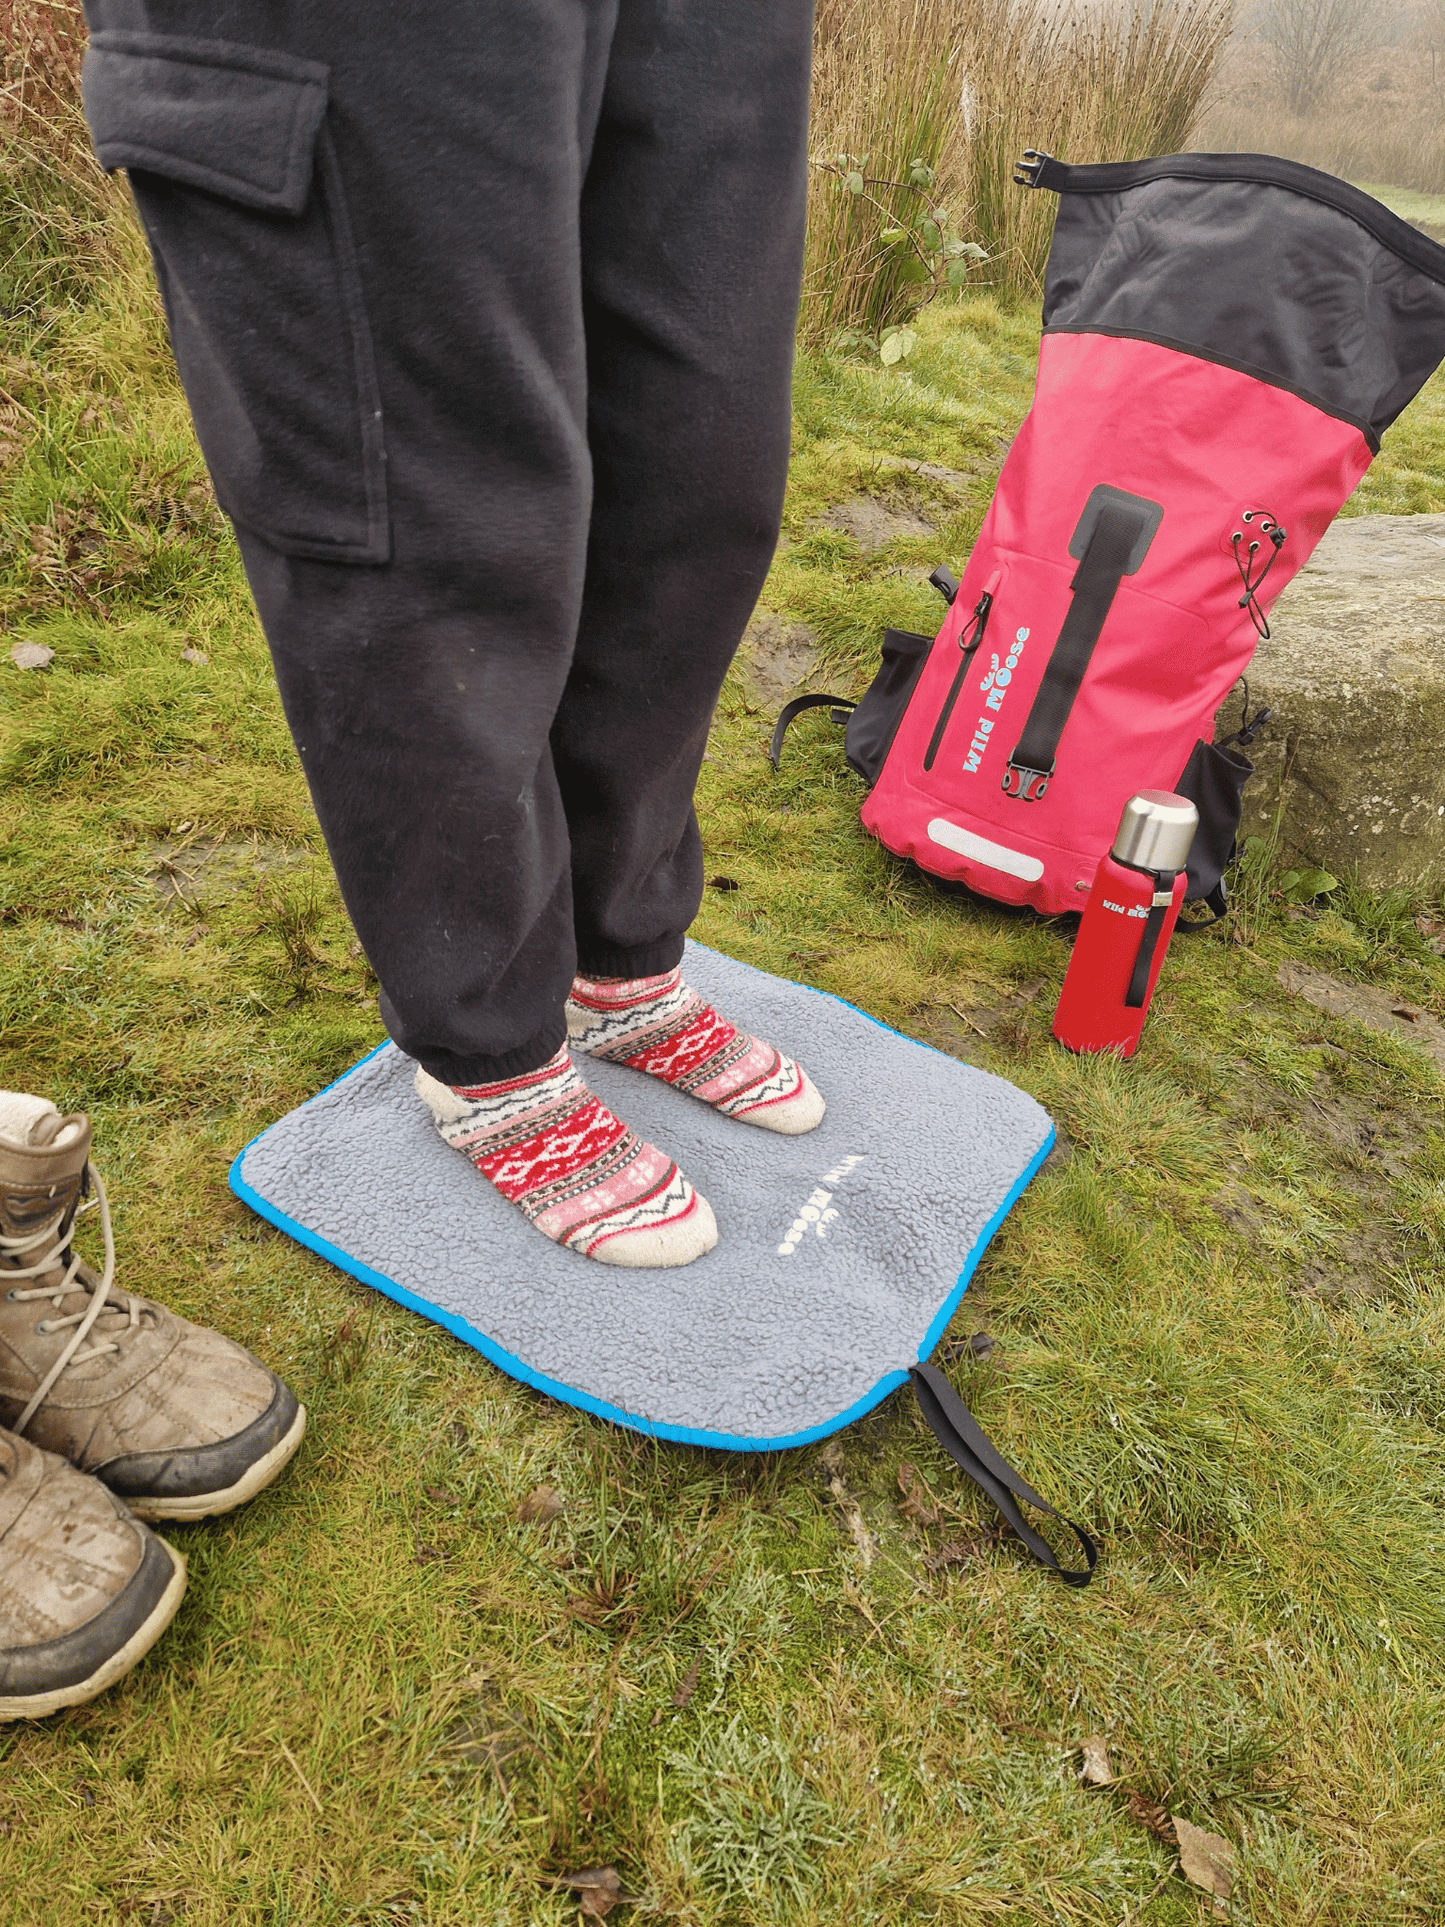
577 1172
659 1025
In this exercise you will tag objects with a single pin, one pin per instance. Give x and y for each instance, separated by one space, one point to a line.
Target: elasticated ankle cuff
602 960
463 1073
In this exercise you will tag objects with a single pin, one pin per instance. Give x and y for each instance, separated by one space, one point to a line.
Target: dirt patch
1368 1143
1000 1020
779 657
983 1034
216 867
1375 1009
952 477
1239 1212
873 524
1349 1265
1359 1268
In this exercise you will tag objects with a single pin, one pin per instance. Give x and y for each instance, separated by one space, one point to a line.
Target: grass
1217 1319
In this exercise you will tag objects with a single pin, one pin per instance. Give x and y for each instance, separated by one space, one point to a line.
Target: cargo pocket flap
238 121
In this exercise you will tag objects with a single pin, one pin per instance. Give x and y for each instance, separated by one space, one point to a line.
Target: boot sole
209 1505
37 1706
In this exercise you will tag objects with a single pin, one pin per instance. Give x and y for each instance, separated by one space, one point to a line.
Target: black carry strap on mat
961 1436
1096 583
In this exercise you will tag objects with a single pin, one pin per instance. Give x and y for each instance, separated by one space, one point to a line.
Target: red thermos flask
1126 926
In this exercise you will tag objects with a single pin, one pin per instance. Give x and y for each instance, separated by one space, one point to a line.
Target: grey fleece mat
843 1254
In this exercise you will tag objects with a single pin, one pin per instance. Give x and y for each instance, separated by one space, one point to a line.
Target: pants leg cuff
603 960
463 1072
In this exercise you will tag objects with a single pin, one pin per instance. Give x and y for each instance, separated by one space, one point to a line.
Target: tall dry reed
62 222
886 82
966 86
41 44
1358 145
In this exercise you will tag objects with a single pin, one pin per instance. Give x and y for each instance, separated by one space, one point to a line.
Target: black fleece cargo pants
485 315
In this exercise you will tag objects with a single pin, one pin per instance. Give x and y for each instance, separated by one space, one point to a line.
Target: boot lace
100 1293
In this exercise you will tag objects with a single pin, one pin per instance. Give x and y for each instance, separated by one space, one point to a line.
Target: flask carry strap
961 1436
1112 546
1149 940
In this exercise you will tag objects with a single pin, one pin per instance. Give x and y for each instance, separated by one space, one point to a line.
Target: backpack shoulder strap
841 706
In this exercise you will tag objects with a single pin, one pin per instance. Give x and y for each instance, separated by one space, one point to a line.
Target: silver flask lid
1156 831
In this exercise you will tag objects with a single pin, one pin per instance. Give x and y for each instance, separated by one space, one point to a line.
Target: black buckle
1031 782
1028 170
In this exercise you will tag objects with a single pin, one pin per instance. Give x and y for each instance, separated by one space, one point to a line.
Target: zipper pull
971 637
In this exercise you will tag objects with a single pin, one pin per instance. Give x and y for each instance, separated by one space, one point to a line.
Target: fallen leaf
689 1683
31 655
857 1531
976 1345
195 655
539 1508
1207 1860
439 1495
1408 1011
1096 1770
599 1890
425 1554
914 1505
1151 1816
723 883
1025 1731
957 1552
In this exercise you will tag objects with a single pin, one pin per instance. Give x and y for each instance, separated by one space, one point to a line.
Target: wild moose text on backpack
1225 338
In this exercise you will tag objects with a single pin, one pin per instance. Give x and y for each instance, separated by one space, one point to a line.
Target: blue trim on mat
569 1394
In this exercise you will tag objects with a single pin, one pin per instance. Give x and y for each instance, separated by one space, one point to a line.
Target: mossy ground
1426 211
1217 1322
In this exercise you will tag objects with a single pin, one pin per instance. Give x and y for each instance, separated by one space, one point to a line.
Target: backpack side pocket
874 723
1213 780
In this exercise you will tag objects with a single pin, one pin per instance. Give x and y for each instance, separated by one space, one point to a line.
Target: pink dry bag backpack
1225 338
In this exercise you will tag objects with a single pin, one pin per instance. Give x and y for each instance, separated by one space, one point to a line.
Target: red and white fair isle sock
659 1025
577 1172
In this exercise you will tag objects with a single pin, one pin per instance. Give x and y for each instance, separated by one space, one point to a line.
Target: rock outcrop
1352 762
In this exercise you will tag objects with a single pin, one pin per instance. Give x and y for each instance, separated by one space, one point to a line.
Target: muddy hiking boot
85 1589
178 1421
